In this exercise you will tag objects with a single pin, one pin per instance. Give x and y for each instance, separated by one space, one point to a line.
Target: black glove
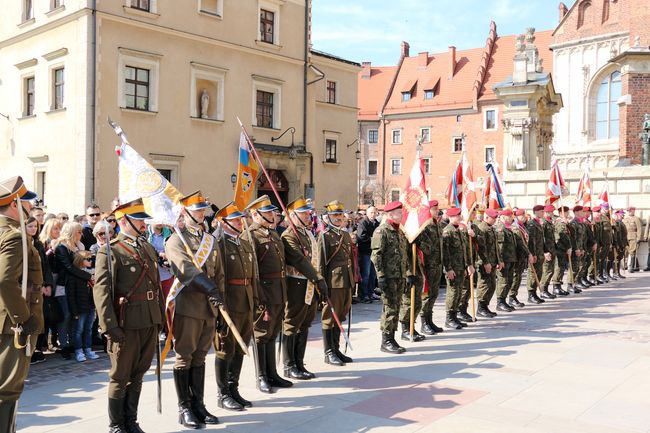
116 335
323 289
201 283
410 281
382 284
30 325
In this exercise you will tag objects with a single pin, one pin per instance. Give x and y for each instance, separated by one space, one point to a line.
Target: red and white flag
415 203
583 196
603 198
468 199
556 187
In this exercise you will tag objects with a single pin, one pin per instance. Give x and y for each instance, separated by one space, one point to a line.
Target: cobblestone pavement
574 365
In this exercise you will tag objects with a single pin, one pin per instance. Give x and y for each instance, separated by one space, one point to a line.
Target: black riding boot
328 346
336 334
197 387
271 368
301 348
503 306
263 383
185 415
406 334
388 343
115 415
557 290
546 294
233 379
131 408
289 358
224 399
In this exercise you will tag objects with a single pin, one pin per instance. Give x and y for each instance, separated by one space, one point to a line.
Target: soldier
130 308
422 244
507 244
621 242
471 238
335 264
194 261
456 260
598 237
390 257
272 290
524 257
563 245
488 262
548 269
607 241
536 247
241 299
21 317
432 270
590 246
577 231
301 254
634 236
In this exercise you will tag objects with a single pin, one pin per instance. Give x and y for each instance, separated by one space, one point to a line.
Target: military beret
393 205
538 207
586 209
596 208
631 209
549 208
492 213
506 212
520 212
453 211
577 208
433 203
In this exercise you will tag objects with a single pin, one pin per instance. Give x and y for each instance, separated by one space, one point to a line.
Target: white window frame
172 163
210 73
336 91
496 119
153 6
139 59
485 148
23 93
368 136
368 167
271 6
428 128
453 144
25 18
51 92
427 170
392 136
274 86
400 166
39 165
218 13
330 135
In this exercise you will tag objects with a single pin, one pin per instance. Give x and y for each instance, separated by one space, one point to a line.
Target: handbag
52 312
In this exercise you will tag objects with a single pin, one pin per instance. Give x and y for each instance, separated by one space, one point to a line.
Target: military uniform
433 274
16 310
456 258
421 242
521 238
563 243
488 254
578 237
128 297
634 236
550 250
390 257
605 246
536 247
507 244
620 245
597 227
587 260
471 244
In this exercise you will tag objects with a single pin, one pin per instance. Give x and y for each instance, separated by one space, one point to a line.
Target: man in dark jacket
365 231
93 214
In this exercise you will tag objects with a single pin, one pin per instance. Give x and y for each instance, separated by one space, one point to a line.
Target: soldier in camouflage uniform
589 244
523 257
562 249
389 255
507 244
536 247
598 238
432 251
456 257
548 268
487 263
607 241
472 239
621 242
421 241
577 230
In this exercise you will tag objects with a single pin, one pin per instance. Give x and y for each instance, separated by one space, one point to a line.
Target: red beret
492 213
506 212
549 208
596 208
577 208
433 203
538 207
586 209
631 208
520 212
621 211
392 206
453 211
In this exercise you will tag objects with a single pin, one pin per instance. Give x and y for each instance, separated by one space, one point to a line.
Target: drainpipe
93 104
304 90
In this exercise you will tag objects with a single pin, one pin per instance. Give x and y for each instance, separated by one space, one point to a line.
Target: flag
415 211
139 179
468 197
556 187
603 198
246 174
455 189
494 193
583 196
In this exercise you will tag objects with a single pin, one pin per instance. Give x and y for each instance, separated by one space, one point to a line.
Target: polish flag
556 186
468 199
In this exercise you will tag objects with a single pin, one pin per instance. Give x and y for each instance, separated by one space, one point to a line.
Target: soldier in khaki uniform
130 307
563 248
634 236
196 307
21 319
548 268
300 248
487 262
524 257
335 265
536 247
598 237
432 270
621 243
241 300
590 246
507 244
272 290
578 239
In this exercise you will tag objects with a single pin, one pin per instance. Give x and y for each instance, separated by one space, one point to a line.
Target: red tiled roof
372 92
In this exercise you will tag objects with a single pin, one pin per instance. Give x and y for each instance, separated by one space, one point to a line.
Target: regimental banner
416 214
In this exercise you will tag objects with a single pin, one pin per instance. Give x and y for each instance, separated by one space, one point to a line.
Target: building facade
176 78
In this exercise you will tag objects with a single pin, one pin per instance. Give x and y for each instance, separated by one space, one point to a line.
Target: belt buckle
150 295
283 274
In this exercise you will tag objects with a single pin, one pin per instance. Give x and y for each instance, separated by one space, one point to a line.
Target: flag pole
412 324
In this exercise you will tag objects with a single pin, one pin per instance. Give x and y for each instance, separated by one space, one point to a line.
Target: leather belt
273 275
149 295
239 281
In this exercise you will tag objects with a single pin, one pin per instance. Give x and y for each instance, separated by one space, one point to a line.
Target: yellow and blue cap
133 209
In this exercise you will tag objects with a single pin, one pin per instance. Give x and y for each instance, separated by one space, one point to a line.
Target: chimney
405 49
563 10
366 70
452 61
423 59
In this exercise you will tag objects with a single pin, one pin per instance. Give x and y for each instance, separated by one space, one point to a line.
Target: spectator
63 217
49 238
365 230
32 227
38 214
99 232
48 216
157 235
78 288
115 229
93 214
64 252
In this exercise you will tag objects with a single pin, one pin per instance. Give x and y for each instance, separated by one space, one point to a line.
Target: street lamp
293 152
233 180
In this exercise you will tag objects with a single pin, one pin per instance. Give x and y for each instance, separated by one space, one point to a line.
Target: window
519 103
267 24
207 91
395 166
330 150
331 92
56 4
29 96
394 194
457 145
40 184
57 88
264 109
373 136
490 119
406 96
425 135
367 197
28 10
397 136
427 165
429 94
166 173
137 88
582 11
609 91
372 167
143 5
459 118
211 7
490 154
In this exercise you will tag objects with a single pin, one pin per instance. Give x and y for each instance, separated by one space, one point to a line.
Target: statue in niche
205 104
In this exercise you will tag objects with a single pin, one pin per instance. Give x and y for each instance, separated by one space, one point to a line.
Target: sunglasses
101 234
111 221
93 214
64 218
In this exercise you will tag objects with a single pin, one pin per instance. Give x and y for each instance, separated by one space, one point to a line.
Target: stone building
175 76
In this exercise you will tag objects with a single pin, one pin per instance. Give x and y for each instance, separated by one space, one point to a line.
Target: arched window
582 12
609 91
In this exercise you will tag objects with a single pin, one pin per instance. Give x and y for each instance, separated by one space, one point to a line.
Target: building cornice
589 40
337 106
45 27
425 114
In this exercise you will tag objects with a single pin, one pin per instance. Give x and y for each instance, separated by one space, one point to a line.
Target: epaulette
114 241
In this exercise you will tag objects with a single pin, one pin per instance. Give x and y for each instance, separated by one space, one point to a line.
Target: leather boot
291 370
435 327
330 355
455 316
463 316
8 416
224 399
425 327
301 348
557 290
546 294
586 282
574 288
197 387
271 369
115 415
185 415
233 379
482 310
336 335
450 321
263 383
514 302
533 298
619 275
131 408
387 344
490 312
502 306
406 334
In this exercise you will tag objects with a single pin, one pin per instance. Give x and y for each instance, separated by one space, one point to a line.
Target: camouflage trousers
548 269
587 264
487 284
466 293
505 276
561 264
535 269
391 296
434 275
454 290
405 308
517 276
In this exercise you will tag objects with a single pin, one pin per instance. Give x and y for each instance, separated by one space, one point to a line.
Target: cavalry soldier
241 300
524 257
128 297
548 268
432 270
488 261
21 314
563 245
269 250
335 264
577 231
507 244
194 261
536 247
590 246
634 236
300 249
456 257
389 255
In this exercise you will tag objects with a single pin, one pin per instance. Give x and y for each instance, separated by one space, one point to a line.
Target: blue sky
371 30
